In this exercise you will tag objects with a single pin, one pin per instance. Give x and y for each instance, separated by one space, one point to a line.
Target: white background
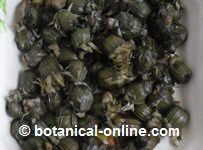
192 94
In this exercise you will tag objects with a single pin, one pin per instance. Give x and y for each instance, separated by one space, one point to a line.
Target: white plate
191 94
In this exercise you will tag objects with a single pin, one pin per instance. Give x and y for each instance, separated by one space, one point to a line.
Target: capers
36 143
137 92
24 39
66 119
58 4
88 122
34 107
146 59
14 129
179 70
99 62
80 38
77 6
133 123
31 17
37 2
148 142
166 22
67 55
33 57
139 8
130 26
143 112
27 83
81 97
69 144
50 35
156 121
77 71
14 104
14 109
54 101
178 117
161 98
119 51
93 143
66 20
111 78
48 65
50 72
112 42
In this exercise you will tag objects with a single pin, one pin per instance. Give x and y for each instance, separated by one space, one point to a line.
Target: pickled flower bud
170 36
69 144
161 73
111 78
36 143
14 106
46 16
24 39
177 117
132 123
81 97
93 143
112 42
146 59
148 142
14 130
176 36
109 141
67 55
81 37
54 101
66 20
131 146
31 18
34 107
131 26
77 6
37 2
66 119
140 8
97 143
171 12
26 83
111 106
137 92
155 121
96 67
50 35
179 70
51 77
161 98
33 57
49 65
143 112
14 109
58 4
77 71
119 51
88 122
